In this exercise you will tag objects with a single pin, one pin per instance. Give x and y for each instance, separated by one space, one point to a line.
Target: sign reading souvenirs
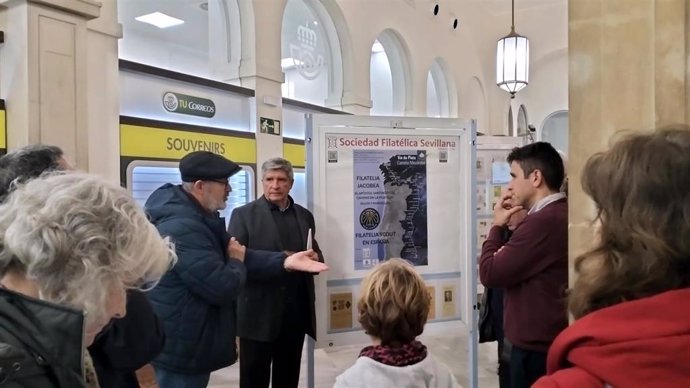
188 105
138 141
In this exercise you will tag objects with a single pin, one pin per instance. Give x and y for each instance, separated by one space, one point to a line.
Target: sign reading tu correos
188 105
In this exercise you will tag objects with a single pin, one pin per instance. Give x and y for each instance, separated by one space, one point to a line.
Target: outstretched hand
305 261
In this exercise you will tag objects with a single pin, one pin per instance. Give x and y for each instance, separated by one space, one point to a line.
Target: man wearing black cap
196 299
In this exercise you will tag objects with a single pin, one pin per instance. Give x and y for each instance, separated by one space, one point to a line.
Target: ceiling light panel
159 20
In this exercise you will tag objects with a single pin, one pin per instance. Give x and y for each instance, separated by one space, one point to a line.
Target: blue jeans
169 379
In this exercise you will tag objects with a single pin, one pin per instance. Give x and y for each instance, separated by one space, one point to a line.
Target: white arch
522 120
553 115
341 59
247 36
445 88
233 19
332 22
472 104
399 59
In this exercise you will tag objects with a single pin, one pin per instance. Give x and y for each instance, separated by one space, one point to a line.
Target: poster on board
390 206
381 187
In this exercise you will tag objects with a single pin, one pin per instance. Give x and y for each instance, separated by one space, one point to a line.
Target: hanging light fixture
512 60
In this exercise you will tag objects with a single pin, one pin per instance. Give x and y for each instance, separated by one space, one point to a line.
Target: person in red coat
632 295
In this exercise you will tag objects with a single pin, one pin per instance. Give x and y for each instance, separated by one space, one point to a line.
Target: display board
383 187
492 177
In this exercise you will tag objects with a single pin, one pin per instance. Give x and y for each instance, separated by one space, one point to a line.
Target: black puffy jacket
41 344
196 299
127 344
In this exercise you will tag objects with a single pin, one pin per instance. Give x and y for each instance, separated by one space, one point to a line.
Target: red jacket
642 343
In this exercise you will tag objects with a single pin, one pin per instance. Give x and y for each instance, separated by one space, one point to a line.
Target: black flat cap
204 165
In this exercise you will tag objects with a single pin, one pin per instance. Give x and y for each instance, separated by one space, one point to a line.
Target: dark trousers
503 363
285 353
168 379
526 367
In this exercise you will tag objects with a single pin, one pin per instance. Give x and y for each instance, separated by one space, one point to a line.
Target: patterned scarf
407 354
90 377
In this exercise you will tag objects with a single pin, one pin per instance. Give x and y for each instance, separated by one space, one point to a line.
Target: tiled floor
449 346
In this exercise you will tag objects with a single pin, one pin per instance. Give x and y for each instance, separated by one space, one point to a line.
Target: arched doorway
389 75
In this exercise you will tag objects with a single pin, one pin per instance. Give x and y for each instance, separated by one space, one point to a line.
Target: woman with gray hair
72 245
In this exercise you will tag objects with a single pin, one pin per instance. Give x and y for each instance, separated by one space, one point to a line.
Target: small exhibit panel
492 178
391 187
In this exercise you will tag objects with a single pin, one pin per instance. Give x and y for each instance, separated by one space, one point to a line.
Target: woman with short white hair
71 245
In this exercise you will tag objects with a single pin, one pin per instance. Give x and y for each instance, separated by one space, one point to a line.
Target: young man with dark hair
532 266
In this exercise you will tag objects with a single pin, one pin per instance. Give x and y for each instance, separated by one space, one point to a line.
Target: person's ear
536 178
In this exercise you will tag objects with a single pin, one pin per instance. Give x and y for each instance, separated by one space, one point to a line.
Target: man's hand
236 250
504 209
305 261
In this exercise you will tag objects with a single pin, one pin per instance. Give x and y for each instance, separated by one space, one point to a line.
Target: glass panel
509 55
499 61
305 54
299 188
522 59
146 179
381 81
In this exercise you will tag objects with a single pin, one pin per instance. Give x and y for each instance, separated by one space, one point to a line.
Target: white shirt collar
542 203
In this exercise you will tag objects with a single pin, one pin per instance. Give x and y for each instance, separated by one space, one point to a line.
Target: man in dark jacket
127 344
273 316
196 299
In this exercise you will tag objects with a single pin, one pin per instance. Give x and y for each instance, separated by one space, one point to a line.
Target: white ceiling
193 33
497 7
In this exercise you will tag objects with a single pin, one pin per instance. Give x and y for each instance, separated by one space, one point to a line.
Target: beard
214 204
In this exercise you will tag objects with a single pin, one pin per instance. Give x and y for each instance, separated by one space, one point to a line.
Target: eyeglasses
221 181
148 286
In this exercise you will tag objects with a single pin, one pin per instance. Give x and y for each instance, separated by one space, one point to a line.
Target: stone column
103 92
43 73
628 70
261 71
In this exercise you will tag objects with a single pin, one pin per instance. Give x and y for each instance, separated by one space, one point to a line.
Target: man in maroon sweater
532 265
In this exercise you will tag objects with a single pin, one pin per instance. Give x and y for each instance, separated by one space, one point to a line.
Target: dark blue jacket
127 344
196 299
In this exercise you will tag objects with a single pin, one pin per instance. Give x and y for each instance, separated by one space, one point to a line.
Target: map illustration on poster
390 208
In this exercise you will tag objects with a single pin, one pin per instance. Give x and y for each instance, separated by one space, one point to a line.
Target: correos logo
170 102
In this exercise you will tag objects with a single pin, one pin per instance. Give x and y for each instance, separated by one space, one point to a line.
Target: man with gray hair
273 317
